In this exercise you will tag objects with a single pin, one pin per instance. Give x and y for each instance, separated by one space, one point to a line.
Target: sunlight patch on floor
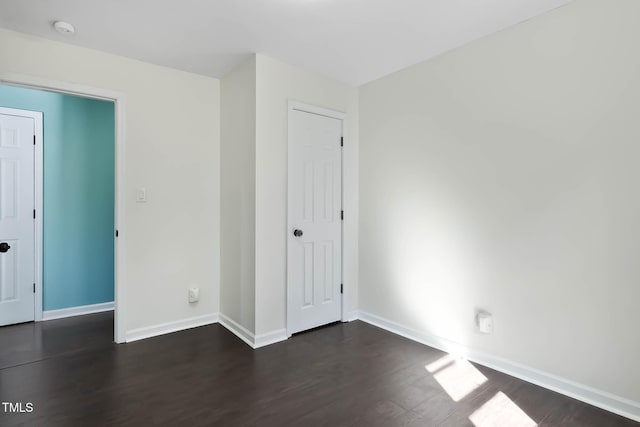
434 367
458 377
500 411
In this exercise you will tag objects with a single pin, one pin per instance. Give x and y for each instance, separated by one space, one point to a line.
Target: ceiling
354 41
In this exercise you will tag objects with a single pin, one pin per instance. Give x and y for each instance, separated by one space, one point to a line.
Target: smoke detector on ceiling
64 27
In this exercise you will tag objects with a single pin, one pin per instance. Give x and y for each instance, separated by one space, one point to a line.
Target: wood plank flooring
343 375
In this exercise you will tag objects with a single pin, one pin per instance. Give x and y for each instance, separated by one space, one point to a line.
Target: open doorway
74 194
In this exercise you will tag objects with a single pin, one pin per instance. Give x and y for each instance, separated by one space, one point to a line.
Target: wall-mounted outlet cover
484 322
194 294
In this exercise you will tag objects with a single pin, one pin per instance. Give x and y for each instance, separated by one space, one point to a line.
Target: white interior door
17 224
314 224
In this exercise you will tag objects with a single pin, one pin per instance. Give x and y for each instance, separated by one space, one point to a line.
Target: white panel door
314 225
17 225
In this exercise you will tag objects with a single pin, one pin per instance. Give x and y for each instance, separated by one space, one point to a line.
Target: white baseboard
270 338
602 399
238 330
77 311
169 327
352 315
252 340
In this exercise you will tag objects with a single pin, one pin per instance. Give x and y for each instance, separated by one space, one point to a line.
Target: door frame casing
119 101
37 201
312 109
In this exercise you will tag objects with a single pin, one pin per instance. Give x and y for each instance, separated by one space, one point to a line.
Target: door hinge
341 288
116 233
34 214
34 288
341 141
342 215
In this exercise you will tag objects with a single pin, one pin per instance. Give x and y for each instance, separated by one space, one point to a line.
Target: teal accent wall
78 217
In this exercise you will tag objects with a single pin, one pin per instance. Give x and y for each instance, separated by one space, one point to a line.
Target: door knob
4 247
297 233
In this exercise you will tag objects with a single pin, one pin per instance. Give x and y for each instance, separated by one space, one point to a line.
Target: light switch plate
141 195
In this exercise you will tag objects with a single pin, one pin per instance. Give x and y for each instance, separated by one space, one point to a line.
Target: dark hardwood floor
343 375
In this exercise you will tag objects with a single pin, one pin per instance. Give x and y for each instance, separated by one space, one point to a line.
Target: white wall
238 191
172 149
504 176
277 83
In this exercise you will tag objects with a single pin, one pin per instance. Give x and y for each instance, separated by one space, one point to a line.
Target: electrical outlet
194 294
484 322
